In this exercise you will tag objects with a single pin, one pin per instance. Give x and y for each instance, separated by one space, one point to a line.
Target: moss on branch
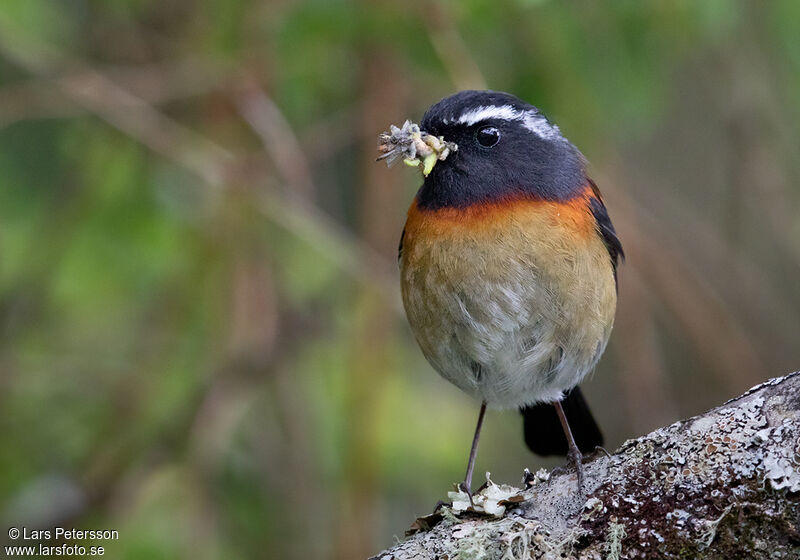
725 484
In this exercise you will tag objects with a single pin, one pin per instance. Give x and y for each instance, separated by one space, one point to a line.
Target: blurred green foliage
201 342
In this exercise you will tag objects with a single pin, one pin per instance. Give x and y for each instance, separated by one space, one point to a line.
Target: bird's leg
466 486
573 454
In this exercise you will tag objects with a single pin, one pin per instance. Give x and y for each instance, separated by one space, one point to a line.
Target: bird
508 265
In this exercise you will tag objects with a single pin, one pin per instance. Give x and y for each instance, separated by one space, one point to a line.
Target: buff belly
513 302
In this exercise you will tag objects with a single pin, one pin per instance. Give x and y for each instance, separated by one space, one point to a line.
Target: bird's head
480 146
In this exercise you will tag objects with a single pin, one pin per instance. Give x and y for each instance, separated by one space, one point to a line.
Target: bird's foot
462 487
574 456
574 460
601 449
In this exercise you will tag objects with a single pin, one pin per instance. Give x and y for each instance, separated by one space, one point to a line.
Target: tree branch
725 484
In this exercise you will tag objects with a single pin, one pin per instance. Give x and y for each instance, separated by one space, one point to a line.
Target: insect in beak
415 146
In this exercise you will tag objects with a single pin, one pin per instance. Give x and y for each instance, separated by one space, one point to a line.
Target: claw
602 449
463 488
574 456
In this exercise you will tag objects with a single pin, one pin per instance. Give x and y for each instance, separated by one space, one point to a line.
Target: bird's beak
415 146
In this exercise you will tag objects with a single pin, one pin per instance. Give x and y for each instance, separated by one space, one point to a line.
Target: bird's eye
488 136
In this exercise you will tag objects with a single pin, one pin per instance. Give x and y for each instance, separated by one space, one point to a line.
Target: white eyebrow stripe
532 120
538 124
502 112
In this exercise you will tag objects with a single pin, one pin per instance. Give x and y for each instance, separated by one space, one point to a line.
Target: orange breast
574 216
523 288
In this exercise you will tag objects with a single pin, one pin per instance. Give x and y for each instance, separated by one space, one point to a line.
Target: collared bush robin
508 264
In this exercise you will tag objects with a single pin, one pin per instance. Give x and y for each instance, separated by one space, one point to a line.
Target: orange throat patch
574 216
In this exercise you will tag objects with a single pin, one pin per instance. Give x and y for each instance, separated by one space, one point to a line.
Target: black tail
543 432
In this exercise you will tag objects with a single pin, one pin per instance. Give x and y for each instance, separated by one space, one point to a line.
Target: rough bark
725 484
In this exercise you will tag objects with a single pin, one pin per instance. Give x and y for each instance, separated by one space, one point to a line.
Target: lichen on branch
725 484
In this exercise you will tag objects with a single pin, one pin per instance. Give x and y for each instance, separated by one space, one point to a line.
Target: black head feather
531 158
